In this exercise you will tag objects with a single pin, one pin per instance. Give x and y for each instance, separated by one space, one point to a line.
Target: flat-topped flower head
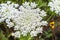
55 6
7 12
26 19
31 19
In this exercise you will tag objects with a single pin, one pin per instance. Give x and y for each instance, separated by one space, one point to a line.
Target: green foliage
2 36
43 4
48 34
28 37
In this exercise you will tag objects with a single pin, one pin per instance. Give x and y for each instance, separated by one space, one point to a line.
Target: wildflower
33 33
52 24
28 19
16 34
8 2
55 6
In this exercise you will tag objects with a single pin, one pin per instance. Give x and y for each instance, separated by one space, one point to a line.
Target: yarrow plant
55 6
26 19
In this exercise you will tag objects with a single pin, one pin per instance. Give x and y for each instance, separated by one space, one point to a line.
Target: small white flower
55 6
43 13
24 33
2 20
7 20
16 5
25 4
10 24
44 22
33 33
39 29
16 34
8 2
16 27
33 4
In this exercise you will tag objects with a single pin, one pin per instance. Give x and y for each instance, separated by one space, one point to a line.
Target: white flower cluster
8 11
28 19
55 6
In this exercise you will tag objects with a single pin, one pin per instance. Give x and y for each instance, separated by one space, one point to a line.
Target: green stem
8 35
29 38
50 17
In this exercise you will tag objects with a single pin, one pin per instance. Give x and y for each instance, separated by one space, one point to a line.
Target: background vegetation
48 33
